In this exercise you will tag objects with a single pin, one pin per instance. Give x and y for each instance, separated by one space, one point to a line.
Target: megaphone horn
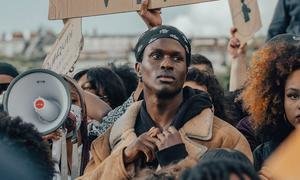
40 97
46 109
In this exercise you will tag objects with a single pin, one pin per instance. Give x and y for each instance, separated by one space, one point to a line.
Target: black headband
158 32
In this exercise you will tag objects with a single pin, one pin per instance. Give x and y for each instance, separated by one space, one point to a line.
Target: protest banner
61 9
67 47
65 51
246 18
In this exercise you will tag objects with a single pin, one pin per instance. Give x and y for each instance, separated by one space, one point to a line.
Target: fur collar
199 127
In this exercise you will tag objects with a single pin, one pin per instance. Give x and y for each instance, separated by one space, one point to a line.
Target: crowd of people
167 117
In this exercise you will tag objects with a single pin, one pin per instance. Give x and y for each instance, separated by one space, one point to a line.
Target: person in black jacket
286 18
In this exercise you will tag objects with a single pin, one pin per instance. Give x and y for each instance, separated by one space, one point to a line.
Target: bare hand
168 138
144 144
234 48
151 17
54 136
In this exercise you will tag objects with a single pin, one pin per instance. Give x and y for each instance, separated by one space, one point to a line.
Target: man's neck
162 110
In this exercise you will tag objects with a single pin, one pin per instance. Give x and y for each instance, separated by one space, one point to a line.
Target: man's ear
138 69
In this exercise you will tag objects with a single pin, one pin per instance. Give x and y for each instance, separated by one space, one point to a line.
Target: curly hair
103 78
263 96
198 59
214 89
170 172
24 153
220 169
128 76
225 153
110 82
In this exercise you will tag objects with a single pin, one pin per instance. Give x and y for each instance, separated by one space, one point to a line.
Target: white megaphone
40 97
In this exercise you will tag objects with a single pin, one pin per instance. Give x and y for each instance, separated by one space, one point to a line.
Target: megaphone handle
75 161
64 160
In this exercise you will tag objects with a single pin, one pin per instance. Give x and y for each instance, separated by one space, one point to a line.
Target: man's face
163 68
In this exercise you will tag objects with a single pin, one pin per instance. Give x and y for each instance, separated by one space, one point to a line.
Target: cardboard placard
66 49
284 163
246 18
61 9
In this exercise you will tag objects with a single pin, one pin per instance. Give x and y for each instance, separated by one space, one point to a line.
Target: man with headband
172 125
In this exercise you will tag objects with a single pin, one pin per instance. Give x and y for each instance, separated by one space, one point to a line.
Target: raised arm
237 53
151 17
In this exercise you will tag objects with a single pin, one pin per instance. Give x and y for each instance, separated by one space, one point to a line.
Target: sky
203 19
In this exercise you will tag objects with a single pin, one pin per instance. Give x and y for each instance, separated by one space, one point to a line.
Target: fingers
54 136
144 7
161 137
156 11
139 147
153 132
166 133
152 17
151 139
233 30
157 142
148 143
150 130
244 46
149 149
172 130
235 42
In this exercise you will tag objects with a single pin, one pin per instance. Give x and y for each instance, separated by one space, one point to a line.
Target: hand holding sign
152 17
246 18
61 9
234 48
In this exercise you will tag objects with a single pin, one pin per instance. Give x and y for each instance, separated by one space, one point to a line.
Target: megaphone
40 97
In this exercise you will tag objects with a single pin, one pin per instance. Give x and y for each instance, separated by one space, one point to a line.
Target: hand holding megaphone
54 136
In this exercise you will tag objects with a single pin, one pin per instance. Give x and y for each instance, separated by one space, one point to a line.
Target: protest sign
61 9
65 51
246 18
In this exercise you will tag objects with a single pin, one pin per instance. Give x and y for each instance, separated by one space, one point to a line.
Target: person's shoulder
228 134
221 125
100 141
230 137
